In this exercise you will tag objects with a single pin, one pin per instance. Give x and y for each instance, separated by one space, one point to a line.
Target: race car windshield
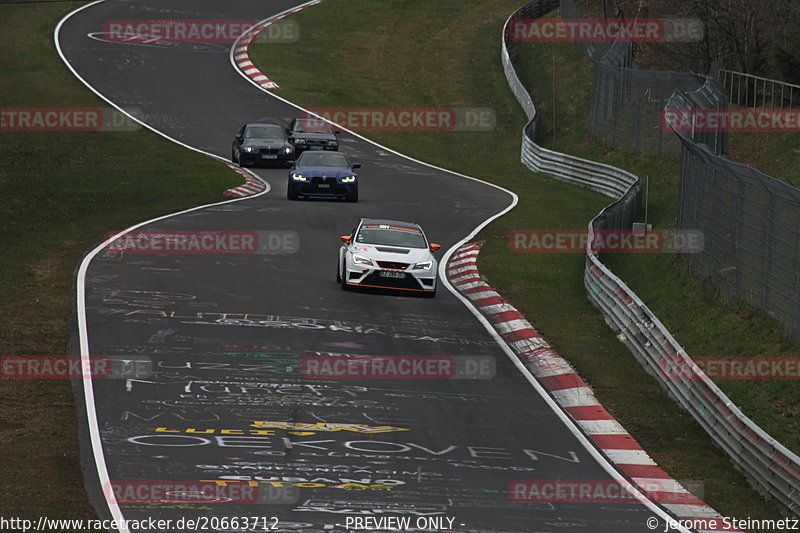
391 237
317 159
311 126
271 134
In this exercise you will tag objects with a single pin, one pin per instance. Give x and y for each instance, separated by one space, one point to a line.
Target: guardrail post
773 470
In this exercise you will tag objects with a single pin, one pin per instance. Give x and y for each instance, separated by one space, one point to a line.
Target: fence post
796 325
770 466
768 260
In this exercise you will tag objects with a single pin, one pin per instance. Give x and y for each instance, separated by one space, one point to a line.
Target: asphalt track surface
225 333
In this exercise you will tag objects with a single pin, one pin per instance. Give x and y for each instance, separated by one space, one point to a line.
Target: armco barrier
773 470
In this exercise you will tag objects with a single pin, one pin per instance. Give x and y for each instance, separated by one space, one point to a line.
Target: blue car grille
313 186
268 151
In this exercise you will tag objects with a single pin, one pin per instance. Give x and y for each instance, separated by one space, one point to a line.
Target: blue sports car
325 175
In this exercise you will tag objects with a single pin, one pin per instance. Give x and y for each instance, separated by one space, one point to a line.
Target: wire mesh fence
750 220
772 469
627 101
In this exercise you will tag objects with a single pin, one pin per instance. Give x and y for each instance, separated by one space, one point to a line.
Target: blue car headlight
348 179
288 150
298 177
299 141
249 149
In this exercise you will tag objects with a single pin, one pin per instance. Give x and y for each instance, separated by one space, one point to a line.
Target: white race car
388 254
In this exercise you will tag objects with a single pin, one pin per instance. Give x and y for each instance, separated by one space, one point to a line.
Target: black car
261 143
312 134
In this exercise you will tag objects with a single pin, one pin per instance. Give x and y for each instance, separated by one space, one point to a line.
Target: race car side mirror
345 238
356 165
435 247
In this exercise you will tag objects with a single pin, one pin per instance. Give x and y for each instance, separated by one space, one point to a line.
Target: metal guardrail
748 90
773 470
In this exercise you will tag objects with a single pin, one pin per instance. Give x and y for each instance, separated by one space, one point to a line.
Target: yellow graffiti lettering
325 426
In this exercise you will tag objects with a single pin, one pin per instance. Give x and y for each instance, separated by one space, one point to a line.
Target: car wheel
343 278
431 294
338 274
353 197
233 154
289 194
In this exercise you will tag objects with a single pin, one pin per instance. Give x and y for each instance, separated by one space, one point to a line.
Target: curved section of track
221 397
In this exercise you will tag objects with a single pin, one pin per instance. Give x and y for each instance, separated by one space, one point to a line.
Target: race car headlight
348 179
425 265
299 141
288 150
249 149
298 177
361 260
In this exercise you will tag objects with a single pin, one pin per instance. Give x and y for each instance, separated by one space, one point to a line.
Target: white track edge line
91 412
602 461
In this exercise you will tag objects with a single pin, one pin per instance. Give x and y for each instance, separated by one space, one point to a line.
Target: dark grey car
312 134
259 144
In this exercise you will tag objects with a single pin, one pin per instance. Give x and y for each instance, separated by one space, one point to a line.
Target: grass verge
61 192
695 313
455 62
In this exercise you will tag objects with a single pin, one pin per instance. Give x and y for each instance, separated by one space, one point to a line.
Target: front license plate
315 147
392 274
268 156
324 185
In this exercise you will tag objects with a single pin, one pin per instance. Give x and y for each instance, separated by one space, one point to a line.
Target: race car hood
380 252
325 172
266 144
315 135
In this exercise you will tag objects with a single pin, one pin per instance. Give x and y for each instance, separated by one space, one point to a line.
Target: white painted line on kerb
91 412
